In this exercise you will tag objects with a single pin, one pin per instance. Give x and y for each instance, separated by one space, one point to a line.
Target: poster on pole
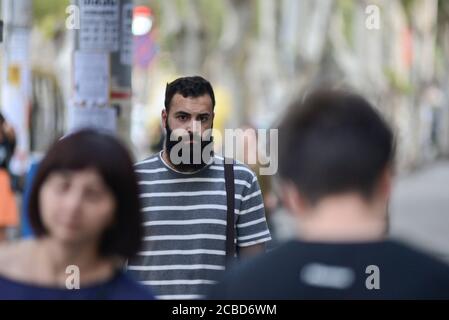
126 50
97 117
18 60
16 93
91 77
21 11
99 25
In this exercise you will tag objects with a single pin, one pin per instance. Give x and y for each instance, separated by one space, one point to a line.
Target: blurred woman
8 206
84 210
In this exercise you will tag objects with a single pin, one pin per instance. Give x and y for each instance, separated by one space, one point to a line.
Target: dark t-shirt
374 270
120 287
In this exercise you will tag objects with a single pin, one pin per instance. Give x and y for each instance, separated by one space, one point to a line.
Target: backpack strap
230 225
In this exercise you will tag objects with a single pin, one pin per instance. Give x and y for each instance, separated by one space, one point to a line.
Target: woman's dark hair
188 87
334 142
102 152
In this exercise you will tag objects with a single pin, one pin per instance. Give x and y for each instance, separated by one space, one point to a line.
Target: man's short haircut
188 87
334 142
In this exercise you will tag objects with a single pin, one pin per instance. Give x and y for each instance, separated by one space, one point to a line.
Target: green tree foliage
49 15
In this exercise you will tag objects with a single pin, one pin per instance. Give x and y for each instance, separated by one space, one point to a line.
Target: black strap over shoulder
230 196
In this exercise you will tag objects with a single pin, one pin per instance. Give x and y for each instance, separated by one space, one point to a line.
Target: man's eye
182 117
204 118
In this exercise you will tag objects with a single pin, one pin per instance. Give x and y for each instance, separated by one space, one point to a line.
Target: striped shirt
184 218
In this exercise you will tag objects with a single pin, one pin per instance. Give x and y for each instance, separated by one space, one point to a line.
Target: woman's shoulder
13 256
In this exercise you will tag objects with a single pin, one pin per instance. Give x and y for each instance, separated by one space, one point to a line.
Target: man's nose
194 127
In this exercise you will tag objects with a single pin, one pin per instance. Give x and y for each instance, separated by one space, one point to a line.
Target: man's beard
192 163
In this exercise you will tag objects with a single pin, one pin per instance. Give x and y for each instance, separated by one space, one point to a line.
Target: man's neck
343 219
166 158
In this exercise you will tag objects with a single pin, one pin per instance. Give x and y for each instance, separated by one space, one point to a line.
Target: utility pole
16 76
102 62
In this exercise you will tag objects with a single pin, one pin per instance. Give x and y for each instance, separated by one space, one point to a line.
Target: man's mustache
190 138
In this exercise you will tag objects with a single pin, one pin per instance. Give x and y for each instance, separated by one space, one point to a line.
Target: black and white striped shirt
185 225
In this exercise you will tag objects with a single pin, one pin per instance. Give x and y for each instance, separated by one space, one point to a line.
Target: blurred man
185 203
335 165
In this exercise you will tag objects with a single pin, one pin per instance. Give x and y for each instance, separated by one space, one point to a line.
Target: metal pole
102 60
16 75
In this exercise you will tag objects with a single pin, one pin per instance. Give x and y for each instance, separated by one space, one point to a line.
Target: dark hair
334 142
91 149
188 87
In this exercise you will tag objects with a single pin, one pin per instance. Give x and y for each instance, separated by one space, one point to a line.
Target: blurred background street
420 208
67 64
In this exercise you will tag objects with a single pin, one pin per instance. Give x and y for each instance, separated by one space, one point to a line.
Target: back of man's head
332 143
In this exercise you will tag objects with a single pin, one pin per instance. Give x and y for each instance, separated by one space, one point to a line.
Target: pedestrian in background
198 216
8 206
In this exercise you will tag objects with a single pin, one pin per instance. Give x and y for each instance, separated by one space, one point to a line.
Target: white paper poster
99 25
103 118
91 78
18 60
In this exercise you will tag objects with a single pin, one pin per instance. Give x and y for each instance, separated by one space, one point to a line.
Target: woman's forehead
84 173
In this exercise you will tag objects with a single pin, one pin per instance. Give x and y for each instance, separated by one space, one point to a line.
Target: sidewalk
420 209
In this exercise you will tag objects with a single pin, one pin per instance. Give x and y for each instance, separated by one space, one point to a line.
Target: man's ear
292 199
164 117
385 184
